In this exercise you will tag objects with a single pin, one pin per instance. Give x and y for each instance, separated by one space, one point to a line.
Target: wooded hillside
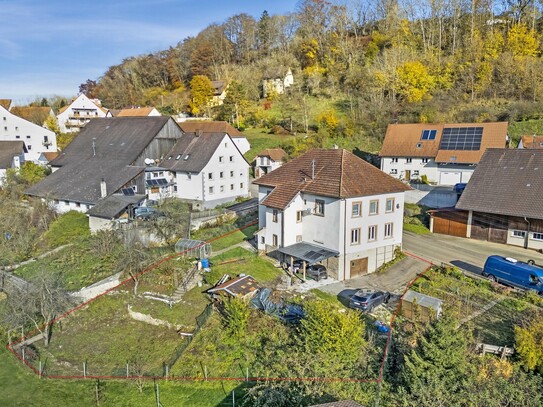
358 65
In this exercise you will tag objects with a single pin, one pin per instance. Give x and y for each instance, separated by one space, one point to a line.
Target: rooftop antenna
313 169
93 147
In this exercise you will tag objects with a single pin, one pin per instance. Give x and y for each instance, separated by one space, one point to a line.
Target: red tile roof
532 142
337 173
276 154
210 127
136 111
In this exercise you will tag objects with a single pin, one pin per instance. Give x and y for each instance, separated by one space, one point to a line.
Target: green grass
331 298
260 139
525 128
418 229
234 238
67 228
21 387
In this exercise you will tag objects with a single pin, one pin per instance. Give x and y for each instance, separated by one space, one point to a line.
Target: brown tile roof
9 149
404 140
35 114
338 174
218 87
506 182
276 154
5 103
210 127
63 108
136 111
239 286
51 155
532 142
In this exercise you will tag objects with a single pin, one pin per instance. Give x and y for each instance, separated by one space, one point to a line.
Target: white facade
346 226
159 190
78 113
413 168
265 165
223 179
62 206
277 85
518 238
242 144
37 139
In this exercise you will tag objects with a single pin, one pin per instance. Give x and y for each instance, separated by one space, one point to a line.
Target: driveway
466 254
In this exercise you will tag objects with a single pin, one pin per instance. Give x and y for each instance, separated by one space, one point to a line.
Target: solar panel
428 135
148 182
128 191
162 181
461 138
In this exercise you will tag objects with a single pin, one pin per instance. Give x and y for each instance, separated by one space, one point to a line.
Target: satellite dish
148 161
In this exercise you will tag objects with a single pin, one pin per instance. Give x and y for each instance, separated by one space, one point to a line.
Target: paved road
466 254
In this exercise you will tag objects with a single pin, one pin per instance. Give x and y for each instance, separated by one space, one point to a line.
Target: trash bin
205 263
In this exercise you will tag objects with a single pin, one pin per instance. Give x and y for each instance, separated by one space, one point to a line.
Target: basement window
518 233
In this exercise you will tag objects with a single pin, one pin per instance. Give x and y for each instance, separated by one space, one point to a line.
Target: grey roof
423 300
9 149
343 403
118 142
506 182
112 206
191 153
308 252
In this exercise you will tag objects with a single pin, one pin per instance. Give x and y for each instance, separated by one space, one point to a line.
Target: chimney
103 189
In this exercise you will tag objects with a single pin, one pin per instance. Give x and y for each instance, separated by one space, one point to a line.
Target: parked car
316 272
506 270
146 213
367 300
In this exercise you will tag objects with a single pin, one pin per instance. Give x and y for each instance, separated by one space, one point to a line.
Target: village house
219 92
208 169
11 157
136 112
268 160
37 139
237 136
444 154
532 142
108 157
332 207
77 114
275 83
35 114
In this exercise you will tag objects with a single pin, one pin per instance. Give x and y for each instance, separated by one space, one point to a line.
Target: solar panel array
156 182
128 191
461 138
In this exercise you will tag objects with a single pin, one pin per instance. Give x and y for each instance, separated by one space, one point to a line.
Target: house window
189 175
262 239
210 190
393 171
241 185
274 240
275 215
299 215
56 201
6 128
390 205
355 236
374 207
77 205
231 174
27 137
221 174
17 136
221 159
210 175
537 236
356 209
388 230
67 203
222 188
29 147
394 160
415 173
298 238
425 160
518 233
231 187
408 160
231 158
372 233
319 207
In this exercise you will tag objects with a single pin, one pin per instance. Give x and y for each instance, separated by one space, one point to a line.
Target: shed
243 286
419 305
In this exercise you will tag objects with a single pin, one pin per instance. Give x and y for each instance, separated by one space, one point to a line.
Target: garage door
450 227
450 178
359 267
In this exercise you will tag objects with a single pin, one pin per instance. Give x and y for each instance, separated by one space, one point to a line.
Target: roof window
186 157
428 135
178 156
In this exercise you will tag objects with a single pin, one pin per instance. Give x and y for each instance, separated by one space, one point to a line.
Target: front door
359 267
408 175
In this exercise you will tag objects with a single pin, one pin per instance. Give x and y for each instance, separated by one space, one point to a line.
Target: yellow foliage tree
328 120
415 81
201 92
529 345
522 41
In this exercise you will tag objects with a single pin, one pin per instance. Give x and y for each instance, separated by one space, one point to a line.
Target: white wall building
446 154
11 157
268 160
73 117
333 202
276 84
37 139
209 169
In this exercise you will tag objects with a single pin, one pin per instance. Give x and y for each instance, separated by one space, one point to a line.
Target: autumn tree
529 344
201 92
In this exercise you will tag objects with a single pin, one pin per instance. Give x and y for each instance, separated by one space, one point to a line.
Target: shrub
67 228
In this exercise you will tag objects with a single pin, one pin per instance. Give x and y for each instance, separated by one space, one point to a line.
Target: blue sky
49 47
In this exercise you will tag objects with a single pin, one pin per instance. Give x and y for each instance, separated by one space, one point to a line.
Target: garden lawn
417 229
234 238
260 139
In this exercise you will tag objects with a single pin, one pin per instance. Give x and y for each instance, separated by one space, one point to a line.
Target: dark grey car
367 300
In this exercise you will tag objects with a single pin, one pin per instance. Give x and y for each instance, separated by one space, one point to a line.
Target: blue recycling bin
205 263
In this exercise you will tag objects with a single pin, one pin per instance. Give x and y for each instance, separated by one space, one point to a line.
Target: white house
219 92
332 207
217 127
37 139
445 153
11 156
277 83
209 169
268 160
159 182
73 117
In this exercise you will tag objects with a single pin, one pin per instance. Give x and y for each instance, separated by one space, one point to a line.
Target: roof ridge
341 173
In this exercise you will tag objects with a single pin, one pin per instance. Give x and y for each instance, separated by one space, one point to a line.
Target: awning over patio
308 252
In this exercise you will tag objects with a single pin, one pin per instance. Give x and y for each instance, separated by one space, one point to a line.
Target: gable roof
533 142
239 286
5 103
191 153
210 127
276 154
9 149
338 174
118 142
50 155
506 182
35 114
218 87
136 111
404 140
